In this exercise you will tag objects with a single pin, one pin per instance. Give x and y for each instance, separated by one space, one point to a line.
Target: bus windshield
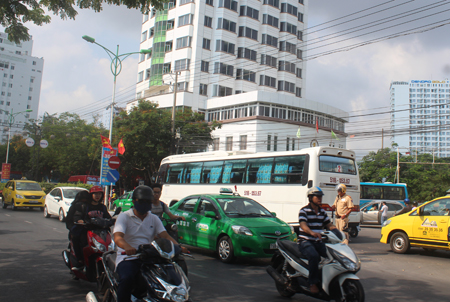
336 164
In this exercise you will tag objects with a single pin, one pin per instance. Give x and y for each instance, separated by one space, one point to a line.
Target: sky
77 78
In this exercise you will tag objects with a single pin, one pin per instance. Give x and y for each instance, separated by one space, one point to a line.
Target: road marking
28 222
198 275
8 215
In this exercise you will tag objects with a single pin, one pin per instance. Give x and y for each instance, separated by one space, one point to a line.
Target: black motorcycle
171 227
161 276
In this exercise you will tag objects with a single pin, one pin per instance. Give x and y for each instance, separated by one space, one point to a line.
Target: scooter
171 227
99 241
289 269
160 277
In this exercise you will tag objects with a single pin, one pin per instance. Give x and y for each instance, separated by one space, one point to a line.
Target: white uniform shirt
136 231
384 210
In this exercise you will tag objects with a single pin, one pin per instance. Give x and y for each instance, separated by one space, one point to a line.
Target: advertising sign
6 172
106 155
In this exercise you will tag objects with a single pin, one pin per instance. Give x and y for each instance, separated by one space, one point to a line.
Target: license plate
273 246
33 201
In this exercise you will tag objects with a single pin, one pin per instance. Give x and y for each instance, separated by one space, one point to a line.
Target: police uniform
342 204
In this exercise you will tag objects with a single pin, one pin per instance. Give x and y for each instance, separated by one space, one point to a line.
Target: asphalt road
32 269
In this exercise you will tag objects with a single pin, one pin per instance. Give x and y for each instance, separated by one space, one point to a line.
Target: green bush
50 186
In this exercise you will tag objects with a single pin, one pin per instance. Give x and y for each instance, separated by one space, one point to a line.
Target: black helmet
143 193
315 191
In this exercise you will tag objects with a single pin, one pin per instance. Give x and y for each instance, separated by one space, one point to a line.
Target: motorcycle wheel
354 291
283 290
225 250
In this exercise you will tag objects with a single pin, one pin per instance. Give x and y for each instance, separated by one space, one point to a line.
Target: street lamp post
116 68
11 118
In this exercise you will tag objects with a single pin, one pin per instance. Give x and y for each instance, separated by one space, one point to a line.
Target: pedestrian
342 206
406 209
159 207
384 212
414 205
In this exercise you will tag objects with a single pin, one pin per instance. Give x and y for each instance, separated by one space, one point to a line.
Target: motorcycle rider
342 206
159 207
135 227
94 208
406 209
313 219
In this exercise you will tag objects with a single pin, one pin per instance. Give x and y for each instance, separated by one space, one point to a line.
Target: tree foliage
424 181
14 13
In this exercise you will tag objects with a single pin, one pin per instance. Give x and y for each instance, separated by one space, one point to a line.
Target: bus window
192 173
161 177
212 172
233 171
371 192
259 170
174 173
288 169
337 164
393 193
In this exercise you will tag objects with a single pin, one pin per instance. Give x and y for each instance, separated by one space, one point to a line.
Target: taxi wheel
4 205
225 250
46 214
13 206
61 215
400 243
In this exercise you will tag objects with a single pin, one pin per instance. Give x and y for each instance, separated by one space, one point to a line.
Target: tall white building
240 63
21 76
420 118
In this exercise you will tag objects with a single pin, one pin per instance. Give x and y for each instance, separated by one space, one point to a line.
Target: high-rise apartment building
420 118
239 62
21 76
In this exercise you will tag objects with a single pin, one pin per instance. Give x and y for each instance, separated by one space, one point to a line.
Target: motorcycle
161 278
99 241
289 269
171 227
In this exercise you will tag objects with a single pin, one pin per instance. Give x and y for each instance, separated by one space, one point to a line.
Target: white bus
278 181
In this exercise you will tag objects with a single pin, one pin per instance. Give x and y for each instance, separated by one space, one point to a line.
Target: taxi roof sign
226 191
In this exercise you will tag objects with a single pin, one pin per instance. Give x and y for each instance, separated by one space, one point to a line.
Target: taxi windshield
242 207
28 186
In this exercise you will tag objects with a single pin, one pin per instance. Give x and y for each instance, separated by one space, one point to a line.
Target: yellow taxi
23 193
426 226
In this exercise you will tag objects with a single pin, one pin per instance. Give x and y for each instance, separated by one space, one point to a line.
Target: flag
105 142
121 147
333 135
317 125
298 132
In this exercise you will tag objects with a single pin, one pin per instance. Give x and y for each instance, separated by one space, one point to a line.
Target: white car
59 200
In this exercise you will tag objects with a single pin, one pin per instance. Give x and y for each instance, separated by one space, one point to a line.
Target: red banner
6 171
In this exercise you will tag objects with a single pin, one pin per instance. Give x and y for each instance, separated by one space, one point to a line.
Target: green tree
147 135
14 13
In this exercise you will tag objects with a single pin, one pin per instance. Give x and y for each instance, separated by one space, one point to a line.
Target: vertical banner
105 169
6 172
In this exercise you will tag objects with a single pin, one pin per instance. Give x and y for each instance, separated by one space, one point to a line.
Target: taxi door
431 227
207 229
186 229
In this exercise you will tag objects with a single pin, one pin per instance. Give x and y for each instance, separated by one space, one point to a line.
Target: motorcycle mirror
117 211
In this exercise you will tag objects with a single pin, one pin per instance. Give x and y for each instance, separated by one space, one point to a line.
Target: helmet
341 187
96 189
143 193
406 200
315 191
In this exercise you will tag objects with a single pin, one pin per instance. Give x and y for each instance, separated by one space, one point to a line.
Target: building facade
21 77
240 63
420 116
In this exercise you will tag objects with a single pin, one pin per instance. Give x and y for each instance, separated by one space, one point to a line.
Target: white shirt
384 210
136 231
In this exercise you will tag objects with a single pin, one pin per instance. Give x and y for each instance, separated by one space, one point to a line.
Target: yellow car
23 193
426 226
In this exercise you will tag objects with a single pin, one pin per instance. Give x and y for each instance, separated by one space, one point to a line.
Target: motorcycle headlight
100 247
179 294
241 230
19 196
347 262
111 246
386 223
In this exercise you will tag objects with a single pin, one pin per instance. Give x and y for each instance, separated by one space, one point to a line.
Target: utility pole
175 88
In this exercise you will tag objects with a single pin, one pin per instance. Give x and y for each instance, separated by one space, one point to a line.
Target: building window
143 37
12 67
290 9
300 17
299 54
229 143
208 21
225 46
30 89
168 46
185 1
246 53
270 20
269 142
288 27
269 61
267 81
8 103
204 66
248 32
249 12
226 24
141 57
228 4
216 144
145 18
11 76
293 144
298 72
275 143
224 69
184 42
182 64
286 86
185 19
3 93
149 55
286 46
151 33
210 2
203 90
221 90
299 35
140 76
243 142
206 43
10 85
286 66
298 92
269 40
182 86
274 3
147 73
242 74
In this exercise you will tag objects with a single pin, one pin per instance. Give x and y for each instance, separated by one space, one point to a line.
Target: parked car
370 212
232 225
23 193
426 227
59 200
125 202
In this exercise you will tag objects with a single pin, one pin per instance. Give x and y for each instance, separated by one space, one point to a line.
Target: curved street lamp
11 118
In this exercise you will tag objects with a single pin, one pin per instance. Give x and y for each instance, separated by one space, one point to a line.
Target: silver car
370 211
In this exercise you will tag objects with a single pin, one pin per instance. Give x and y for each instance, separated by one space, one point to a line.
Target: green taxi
125 202
232 225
